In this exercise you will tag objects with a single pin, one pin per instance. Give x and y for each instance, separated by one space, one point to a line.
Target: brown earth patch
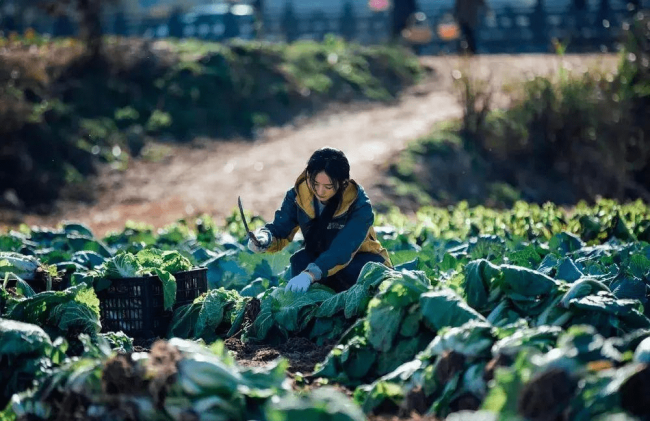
301 353
450 363
546 395
635 391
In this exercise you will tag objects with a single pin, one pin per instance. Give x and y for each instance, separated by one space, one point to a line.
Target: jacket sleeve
348 241
285 223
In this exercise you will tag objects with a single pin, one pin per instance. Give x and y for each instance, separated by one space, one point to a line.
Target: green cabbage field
531 313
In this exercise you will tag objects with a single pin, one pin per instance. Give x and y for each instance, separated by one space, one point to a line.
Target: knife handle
254 239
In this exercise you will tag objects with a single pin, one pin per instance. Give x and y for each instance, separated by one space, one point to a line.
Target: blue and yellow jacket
351 226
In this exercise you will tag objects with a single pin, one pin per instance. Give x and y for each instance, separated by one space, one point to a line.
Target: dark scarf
316 238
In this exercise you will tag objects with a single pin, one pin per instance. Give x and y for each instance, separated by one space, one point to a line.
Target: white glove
264 237
299 283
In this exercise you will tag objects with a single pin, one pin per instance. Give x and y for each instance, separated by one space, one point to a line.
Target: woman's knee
351 272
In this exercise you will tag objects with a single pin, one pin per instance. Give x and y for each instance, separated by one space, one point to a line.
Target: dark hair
335 164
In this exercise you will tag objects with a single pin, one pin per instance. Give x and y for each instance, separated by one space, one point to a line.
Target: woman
335 217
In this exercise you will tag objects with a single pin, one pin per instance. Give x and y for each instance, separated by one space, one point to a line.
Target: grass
572 137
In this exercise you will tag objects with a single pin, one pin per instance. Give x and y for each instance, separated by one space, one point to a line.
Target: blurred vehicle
417 31
216 22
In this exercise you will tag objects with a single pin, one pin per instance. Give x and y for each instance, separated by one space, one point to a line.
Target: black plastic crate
39 284
136 305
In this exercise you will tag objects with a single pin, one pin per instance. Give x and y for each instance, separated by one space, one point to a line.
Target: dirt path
207 176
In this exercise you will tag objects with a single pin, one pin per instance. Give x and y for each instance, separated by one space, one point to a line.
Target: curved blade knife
248 231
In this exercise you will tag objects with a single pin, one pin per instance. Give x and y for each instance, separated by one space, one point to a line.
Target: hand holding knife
248 231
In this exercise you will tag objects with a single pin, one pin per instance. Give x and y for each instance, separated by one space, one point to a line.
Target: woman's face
323 187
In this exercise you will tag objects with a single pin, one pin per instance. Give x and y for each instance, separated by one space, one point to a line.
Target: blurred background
158 109
512 26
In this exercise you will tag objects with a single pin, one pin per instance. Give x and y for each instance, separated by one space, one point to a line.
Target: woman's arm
285 223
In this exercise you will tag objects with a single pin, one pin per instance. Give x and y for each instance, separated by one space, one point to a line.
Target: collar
305 196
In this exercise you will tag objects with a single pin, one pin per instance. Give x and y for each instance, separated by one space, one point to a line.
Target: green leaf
124 265
264 320
549 264
441 405
473 339
443 308
78 228
356 298
403 256
373 274
542 338
381 392
525 282
22 338
479 275
169 288
255 288
629 311
639 266
23 288
384 322
332 305
212 311
75 317
184 319
411 323
20 265
568 271
236 316
508 382
527 257
565 242
401 293
88 243
359 361
403 351
86 295
448 263
324 403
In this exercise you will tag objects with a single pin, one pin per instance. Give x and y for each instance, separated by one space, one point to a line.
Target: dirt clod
546 396
266 355
301 353
634 393
235 345
162 362
299 345
415 401
121 375
72 406
465 402
253 308
449 364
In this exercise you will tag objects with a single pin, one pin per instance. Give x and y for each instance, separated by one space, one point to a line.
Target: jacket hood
305 196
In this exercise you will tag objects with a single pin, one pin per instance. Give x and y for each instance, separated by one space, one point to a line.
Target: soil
301 353
634 393
122 375
465 402
207 175
415 402
451 362
546 395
